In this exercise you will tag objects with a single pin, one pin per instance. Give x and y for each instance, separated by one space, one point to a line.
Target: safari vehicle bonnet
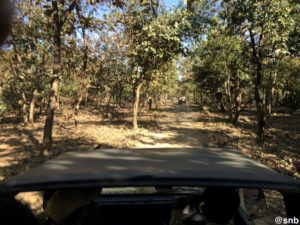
159 168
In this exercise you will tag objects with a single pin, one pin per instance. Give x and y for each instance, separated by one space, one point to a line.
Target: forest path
178 127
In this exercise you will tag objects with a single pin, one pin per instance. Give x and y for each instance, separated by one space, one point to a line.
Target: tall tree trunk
150 103
119 99
136 104
293 106
229 98
24 108
269 93
161 99
257 61
47 139
32 106
59 16
133 91
79 93
218 96
144 100
78 101
99 99
62 102
58 106
260 113
86 97
237 102
259 104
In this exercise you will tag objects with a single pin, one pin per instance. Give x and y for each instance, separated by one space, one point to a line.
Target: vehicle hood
150 167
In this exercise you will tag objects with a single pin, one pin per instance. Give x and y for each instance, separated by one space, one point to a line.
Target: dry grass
279 150
20 145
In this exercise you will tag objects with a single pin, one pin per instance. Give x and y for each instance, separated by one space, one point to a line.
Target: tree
85 23
25 62
161 85
265 25
288 83
220 69
153 41
58 13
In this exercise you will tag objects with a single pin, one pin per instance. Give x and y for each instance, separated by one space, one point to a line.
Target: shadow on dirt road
178 127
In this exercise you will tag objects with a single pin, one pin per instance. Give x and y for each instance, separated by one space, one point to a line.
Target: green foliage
163 82
216 59
288 84
11 97
242 51
153 41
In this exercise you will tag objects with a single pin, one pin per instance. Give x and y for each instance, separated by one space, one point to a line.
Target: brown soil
169 126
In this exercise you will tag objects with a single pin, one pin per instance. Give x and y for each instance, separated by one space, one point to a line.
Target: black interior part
292 201
220 204
134 200
139 209
46 196
13 212
143 209
242 218
150 214
187 208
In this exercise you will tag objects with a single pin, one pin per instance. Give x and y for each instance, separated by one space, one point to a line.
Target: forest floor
169 126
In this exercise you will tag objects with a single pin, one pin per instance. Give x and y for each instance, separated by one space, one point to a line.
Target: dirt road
178 127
